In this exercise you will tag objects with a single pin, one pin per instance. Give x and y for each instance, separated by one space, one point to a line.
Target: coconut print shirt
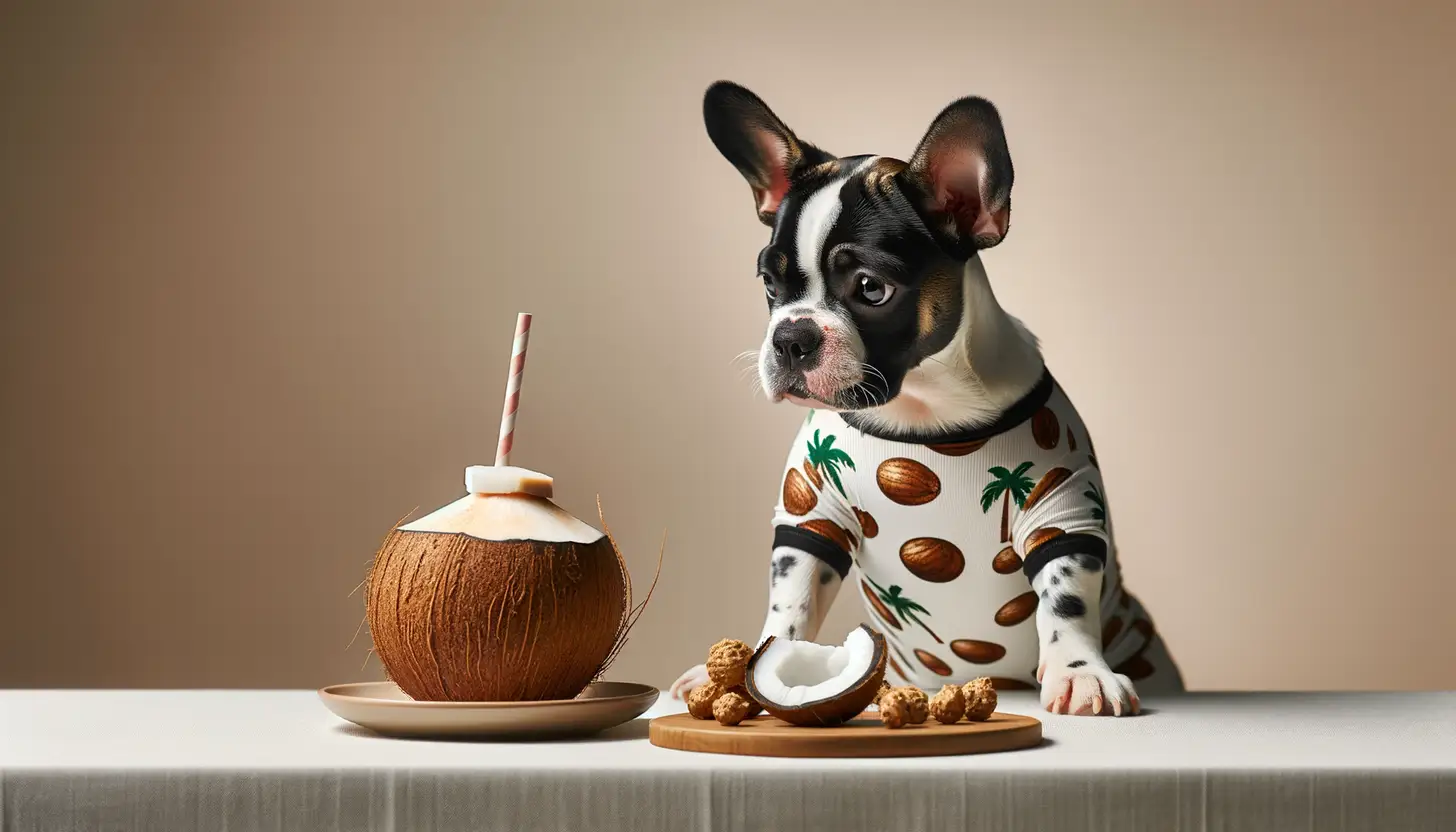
947 536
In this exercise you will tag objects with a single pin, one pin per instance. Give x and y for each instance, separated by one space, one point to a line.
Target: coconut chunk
818 684
499 517
506 479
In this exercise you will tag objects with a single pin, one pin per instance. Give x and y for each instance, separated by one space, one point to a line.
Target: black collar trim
1023 409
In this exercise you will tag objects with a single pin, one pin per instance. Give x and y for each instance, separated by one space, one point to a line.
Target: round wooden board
864 736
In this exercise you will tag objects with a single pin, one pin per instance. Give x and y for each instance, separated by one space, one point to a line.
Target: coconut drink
501 595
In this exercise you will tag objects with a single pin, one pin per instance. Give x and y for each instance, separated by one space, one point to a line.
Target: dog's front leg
1074 677
800 591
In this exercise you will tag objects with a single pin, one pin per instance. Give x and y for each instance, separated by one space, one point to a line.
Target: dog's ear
960 177
758 143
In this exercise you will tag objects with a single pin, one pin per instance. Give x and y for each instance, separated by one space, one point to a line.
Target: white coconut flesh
792 674
506 503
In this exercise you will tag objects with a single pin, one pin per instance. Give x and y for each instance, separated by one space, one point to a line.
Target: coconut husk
630 614
456 618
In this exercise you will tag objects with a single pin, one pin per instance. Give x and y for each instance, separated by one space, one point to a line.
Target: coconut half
809 684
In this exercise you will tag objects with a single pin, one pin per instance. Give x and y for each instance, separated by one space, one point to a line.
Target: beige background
260 268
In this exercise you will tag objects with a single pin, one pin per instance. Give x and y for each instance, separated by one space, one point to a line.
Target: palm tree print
1099 503
904 607
827 459
1014 485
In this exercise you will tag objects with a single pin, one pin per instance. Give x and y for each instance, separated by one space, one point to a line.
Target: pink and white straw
513 389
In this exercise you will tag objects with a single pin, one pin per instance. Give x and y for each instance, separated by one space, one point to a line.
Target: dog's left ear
960 177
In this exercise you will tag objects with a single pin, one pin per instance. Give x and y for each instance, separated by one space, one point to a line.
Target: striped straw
513 389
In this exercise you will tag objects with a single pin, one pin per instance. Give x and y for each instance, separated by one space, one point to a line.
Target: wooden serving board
863 736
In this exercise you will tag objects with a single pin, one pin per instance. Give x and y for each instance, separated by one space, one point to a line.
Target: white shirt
943 535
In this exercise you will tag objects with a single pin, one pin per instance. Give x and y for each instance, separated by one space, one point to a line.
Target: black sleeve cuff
1061 546
814 544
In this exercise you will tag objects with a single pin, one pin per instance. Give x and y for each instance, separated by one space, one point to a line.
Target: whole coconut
500 596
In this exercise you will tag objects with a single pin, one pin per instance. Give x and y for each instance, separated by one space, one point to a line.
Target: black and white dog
939 457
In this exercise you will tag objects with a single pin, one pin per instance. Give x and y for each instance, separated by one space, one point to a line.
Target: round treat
895 709
727 661
700 701
730 709
884 689
754 708
919 704
980 699
949 705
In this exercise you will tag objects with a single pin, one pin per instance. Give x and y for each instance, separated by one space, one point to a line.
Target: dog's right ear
758 143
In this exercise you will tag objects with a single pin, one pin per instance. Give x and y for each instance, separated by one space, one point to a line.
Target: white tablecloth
277 760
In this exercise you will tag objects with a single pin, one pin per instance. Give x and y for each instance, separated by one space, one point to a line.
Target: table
277 760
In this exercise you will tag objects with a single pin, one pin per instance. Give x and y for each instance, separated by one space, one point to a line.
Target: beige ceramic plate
382 707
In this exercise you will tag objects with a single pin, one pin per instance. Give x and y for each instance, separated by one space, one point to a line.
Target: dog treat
918 703
980 699
730 709
700 701
754 706
895 709
949 705
727 662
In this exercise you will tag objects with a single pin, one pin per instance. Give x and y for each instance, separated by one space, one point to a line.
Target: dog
939 457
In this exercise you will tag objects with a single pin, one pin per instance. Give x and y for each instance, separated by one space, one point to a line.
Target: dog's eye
874 291
768 287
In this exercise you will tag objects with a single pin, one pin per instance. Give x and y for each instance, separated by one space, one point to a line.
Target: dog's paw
1088 689
694 677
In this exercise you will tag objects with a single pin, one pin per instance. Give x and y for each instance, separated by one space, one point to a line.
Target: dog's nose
795 343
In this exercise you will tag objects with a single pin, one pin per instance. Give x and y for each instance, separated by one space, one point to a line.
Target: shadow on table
634 730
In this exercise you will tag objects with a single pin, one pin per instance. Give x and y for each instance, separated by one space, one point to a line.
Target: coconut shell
834 710
457 618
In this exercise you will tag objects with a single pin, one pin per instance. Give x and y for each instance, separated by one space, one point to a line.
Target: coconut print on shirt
943 534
